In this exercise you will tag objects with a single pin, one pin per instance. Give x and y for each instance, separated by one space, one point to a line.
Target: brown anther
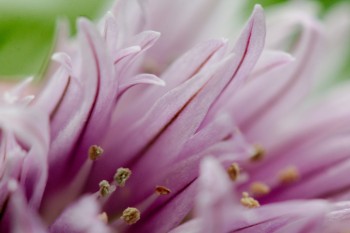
258 154
161 190
233 171
95 152
121 176
289 175
105 188
103 217
151 67
259 188
248 201
131 215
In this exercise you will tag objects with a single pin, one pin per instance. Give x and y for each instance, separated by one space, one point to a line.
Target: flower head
107 147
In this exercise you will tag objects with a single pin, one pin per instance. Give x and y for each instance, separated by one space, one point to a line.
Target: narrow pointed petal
248 48
292 83
189 64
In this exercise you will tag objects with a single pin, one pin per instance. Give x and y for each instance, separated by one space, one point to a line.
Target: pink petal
80 217
19 217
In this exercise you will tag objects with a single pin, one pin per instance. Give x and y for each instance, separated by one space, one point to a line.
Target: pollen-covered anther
233 171
258 153
248 201
259 188
95 152
161 190
131 215
105 188
121 176
289 175
103 217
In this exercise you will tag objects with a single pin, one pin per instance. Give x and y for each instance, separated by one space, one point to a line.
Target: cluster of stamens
130 215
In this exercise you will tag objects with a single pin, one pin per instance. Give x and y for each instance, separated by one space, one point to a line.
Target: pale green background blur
27 30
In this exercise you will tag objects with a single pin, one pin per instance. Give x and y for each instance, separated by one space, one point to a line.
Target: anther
289 175
131 215
103 217
248 201
95 152
105 188
259 188
161 190
233 171
258 154
121 176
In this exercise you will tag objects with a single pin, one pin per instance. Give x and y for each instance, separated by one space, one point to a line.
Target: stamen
161 190
289 175
95 152
248 201
121 176
259 188
103 216
258 154
105 188
233 171
131 215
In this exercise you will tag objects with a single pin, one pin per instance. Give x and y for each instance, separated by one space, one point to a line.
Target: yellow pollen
259 188
95 152
131 215
289 175
161 190
248 201
103 217
122 175
258 154
233 171
104 188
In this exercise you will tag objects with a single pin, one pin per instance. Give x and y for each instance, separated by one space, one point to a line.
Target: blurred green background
27 30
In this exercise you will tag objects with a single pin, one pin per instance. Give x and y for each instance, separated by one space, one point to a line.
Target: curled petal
141 79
